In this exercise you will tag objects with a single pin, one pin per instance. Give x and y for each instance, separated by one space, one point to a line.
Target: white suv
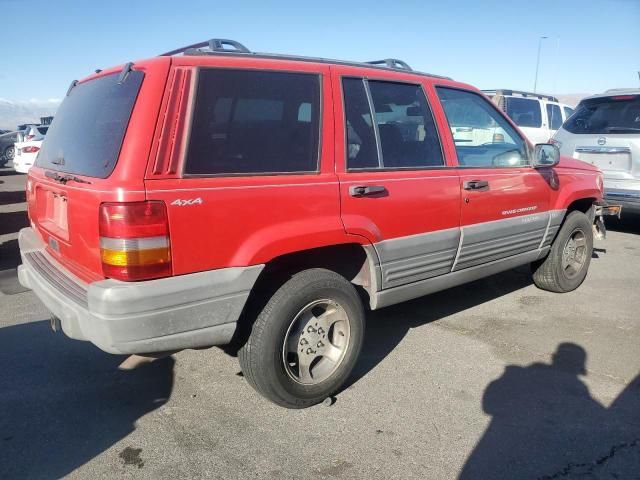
537 115
605 131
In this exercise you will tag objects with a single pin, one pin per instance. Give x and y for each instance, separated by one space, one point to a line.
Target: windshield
619 114
87 132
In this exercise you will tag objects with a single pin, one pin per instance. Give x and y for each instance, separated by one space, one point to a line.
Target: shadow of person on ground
546 425
387 327
63 402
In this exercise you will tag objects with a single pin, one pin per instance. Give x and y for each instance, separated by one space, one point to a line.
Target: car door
396 188
554 117
505 202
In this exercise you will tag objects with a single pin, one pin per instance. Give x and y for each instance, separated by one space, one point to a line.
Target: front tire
306 341
567 264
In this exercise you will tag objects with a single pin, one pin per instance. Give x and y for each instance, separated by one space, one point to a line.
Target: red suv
212 195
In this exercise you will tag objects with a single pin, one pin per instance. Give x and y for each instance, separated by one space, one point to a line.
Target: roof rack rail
392 63
213 45
503 91
218 46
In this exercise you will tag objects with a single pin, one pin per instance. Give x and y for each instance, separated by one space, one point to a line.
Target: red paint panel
78 246
512 192
416 201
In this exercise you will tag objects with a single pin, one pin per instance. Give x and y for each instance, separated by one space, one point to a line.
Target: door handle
476 185
364 190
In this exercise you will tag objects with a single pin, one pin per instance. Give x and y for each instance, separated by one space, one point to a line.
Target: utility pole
535 82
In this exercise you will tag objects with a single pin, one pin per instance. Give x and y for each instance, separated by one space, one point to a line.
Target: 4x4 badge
179 202
602 141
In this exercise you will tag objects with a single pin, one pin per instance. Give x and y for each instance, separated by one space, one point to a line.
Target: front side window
259 122
555 116
525 112
482 136
402 133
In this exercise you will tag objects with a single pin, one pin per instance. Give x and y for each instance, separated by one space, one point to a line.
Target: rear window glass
43 130
525 112
254 122
619 114
87 132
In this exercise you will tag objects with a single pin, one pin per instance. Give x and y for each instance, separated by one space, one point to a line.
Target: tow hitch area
599 230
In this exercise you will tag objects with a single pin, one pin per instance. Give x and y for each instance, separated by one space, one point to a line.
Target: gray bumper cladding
186 311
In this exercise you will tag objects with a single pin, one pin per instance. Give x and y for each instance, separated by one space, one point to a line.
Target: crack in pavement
591 466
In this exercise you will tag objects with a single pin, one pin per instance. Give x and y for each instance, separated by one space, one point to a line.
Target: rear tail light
30 149
29 137
620 98
134 240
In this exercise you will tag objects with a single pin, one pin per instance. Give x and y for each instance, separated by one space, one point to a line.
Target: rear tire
8 154
306 341
567 264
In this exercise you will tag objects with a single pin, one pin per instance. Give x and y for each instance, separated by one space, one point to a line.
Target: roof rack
392 63
214 45
503 91
218 46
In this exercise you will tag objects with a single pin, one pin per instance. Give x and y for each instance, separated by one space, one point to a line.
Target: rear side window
618 114
525 112
554 115
402 133
43 130
568 111
86 135
254 122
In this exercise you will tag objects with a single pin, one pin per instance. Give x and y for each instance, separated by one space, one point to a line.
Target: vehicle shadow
387 327
63 402
11 222
16 196
629 223
6 172
546 425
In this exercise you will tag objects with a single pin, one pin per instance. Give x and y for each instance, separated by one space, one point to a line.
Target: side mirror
546 155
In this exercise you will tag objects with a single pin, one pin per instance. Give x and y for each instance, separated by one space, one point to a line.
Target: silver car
605 131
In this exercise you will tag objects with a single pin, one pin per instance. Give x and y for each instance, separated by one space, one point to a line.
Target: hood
572 163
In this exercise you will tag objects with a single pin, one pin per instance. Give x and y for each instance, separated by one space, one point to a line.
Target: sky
593 45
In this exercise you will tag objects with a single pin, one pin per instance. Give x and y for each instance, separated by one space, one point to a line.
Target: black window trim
191 114
381 168
494 106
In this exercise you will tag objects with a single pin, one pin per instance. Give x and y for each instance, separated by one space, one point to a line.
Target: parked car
212 195
605 132
7 150
537 115
35 132
25 155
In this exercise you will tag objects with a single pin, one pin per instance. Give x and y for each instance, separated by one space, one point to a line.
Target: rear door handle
364 190
476 185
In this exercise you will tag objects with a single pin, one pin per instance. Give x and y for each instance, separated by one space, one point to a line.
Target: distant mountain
13 113
571 99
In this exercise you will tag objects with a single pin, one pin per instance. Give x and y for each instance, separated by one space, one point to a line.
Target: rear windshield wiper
64 178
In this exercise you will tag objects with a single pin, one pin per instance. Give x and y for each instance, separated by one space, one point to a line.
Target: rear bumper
187 311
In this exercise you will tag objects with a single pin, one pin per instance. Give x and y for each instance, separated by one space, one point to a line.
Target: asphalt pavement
494 379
